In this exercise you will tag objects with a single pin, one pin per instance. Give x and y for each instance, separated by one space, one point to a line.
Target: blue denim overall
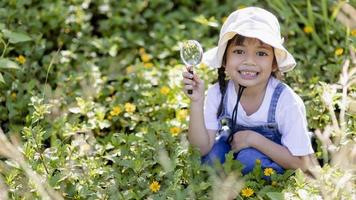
246 156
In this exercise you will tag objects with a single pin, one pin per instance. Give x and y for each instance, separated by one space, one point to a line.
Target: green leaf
275 195
324 8
228 163
204 185
287 174
302 18
15 37
310 13
267 189
8 64
299 178
209 22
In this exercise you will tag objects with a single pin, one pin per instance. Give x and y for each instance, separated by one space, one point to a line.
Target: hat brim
285 60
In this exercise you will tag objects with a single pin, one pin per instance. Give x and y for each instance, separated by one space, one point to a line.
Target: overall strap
272 107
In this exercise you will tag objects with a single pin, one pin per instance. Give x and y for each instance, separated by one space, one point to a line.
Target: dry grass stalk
338 148
11 152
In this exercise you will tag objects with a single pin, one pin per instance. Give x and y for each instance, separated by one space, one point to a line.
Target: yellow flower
308 29
339 51
155 186
175 131
13 95
130 69
130 108
258 161
353 32
148 65
202 65
142 50
115 111
182 114
274 183
145 57
21 59
268 171
164 90
247 192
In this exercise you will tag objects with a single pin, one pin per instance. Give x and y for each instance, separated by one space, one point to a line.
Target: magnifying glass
191 54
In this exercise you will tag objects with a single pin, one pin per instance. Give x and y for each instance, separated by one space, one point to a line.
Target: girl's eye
261 53
238 51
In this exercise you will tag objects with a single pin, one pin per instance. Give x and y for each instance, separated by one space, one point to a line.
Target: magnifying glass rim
200 51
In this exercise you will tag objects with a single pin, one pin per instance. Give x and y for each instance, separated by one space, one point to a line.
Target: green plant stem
43 162
48 70
5 47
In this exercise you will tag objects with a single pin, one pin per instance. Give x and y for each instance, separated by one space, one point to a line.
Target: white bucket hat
255 23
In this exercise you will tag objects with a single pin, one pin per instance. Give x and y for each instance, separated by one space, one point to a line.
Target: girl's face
249 63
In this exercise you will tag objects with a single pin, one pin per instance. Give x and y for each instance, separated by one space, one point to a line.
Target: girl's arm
198 135
276 152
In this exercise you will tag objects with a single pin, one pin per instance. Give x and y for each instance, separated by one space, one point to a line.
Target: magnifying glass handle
190 71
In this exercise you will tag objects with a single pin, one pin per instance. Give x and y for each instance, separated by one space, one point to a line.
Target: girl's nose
249 60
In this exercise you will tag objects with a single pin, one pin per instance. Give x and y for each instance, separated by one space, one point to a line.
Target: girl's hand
194 83
242 139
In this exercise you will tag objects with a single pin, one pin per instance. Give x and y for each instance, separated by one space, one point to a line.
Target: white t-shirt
290 115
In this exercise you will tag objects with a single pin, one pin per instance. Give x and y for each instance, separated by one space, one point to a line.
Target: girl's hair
237 40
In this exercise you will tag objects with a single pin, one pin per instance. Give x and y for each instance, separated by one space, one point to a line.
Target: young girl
252 114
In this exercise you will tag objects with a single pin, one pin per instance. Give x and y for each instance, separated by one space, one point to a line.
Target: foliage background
91 90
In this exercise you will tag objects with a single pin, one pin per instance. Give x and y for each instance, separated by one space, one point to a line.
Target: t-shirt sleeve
292 124
211 106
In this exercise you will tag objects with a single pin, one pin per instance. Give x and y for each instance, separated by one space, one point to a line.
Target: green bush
92 91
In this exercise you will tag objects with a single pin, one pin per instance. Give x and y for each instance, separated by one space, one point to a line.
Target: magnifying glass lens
191 54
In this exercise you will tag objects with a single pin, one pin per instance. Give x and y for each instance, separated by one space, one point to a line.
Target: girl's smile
248 74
